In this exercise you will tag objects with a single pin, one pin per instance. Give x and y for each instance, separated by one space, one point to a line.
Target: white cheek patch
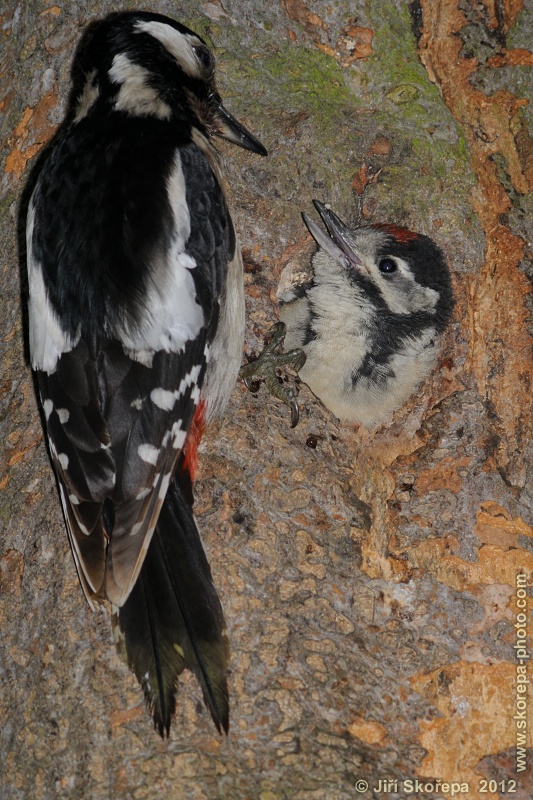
178 44
424 299
136 95
402 293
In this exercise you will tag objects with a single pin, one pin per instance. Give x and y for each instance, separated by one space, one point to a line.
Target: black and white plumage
136 325
368 318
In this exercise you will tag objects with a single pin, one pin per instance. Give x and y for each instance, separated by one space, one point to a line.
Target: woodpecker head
392 268
148 65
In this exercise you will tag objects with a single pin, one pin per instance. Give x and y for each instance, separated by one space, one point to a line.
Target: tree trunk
376 585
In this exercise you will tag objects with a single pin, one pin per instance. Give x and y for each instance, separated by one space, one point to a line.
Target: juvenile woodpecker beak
231 129
337 244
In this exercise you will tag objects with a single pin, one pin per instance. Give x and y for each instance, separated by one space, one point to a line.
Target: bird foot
266 364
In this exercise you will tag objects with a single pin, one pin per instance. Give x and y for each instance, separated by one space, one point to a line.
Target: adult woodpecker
136 324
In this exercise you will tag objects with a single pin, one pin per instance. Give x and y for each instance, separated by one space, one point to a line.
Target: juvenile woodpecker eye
205 57
387 266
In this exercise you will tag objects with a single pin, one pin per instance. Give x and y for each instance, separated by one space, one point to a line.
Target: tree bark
371 581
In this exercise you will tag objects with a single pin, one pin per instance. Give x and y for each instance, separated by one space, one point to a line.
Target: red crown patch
403 235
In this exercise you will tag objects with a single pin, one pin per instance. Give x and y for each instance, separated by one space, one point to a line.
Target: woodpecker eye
387 266
205 57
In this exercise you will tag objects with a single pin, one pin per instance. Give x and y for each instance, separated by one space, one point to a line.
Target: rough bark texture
369 580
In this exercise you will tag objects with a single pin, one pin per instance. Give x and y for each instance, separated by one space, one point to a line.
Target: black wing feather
173 619
134 541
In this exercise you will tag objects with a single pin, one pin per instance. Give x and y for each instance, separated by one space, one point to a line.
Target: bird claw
266 364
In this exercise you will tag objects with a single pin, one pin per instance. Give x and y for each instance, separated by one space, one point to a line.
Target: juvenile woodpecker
369 318
136 324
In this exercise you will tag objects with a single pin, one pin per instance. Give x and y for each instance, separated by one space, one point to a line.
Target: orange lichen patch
298 249
475 702
502 15
495 525
326 48
493 564
253 291
524 147
54 11
499 356
123 716
512 58
297 11
11 570
25 447
499 603
6 24
368 731
494 132
381 146
354 43
15 162
31 133
500 359
498 562
445 475
393 567
5 102
362 178
21 453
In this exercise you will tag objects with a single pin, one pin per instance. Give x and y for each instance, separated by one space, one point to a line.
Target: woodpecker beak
231 129
337 244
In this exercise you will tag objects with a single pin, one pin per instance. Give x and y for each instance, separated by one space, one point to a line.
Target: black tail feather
173 619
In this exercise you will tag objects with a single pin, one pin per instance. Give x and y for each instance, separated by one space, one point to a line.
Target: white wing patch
172 315
177 196
179 436
48 341
136 96
178 44
148 453
164 485
166 400
163 399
